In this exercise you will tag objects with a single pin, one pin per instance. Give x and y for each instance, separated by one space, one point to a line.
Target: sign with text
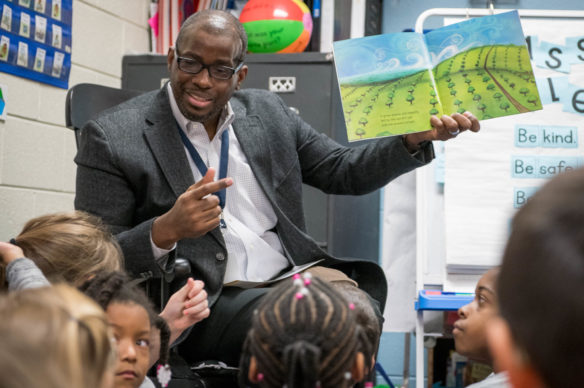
490 175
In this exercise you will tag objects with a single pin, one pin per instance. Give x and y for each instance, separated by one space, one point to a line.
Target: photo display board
35 40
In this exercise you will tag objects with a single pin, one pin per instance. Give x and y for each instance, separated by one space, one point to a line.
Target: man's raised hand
194 213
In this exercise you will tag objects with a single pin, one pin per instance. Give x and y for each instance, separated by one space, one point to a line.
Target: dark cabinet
348 226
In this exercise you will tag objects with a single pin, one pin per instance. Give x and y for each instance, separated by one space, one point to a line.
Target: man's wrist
162 235
411 144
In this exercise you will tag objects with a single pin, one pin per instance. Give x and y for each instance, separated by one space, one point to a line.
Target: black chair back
84 101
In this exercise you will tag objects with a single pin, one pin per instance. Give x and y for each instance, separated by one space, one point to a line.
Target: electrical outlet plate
282 84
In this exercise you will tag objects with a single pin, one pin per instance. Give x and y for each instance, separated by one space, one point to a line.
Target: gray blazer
131 167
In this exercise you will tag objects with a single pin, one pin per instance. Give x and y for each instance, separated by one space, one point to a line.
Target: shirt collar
225 120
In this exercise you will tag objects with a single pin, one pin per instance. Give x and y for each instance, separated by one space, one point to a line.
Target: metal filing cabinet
347 225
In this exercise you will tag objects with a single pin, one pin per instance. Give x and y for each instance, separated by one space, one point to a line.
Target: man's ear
358 368
252 373
170 57
508 357
241 74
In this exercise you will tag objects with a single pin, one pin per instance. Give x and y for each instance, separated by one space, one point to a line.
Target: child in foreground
132 318
73 247
305 334
539 338
68 247
54 337
470 330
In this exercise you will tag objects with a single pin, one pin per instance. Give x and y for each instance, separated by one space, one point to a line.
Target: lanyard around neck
202 167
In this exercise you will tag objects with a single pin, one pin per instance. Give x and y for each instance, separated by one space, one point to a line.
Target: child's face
470 334
131 327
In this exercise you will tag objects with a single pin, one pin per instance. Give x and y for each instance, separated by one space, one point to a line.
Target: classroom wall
37 173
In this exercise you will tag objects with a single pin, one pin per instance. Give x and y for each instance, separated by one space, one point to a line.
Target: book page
386 85
482 65
253 284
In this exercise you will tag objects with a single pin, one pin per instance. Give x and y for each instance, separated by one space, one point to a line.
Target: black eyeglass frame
209 68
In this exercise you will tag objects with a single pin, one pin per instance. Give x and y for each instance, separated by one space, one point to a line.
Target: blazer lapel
249 132
166 146
168 149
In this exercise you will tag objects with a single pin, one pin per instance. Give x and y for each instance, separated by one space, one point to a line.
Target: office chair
83 102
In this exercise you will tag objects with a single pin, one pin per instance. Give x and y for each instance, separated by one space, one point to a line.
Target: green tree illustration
434 111
524 91
498 96
453 92
457 102
410 99
532 99
363 121
504 105
476 97
360 132
490 86
471 89
433 101
486 78
481 107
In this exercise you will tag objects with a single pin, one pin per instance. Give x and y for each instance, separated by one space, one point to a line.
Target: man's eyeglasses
192 66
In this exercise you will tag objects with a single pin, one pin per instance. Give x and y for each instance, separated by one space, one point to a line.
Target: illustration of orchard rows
489 81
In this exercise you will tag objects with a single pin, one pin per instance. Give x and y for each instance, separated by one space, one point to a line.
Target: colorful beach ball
276 26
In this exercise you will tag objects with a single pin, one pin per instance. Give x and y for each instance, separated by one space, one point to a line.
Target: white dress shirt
254 250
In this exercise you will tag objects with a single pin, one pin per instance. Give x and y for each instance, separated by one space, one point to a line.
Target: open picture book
391 84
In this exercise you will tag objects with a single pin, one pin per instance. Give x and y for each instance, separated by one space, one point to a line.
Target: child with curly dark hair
132 318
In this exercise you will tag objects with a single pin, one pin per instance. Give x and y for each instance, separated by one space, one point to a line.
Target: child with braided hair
132 317
305 334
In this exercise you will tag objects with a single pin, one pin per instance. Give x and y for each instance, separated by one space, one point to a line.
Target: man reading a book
205 171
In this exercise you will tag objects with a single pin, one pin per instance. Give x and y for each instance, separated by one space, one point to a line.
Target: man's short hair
202 17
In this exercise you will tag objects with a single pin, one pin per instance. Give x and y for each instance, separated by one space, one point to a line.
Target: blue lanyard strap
223 161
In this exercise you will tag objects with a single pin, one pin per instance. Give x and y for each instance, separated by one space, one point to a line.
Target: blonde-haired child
54 337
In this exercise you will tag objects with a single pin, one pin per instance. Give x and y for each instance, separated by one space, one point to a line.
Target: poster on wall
35 40
491 175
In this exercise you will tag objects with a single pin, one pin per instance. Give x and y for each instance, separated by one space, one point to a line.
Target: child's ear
252 373
508 357
358 368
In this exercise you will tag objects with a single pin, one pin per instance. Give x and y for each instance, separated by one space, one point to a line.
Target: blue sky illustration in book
380 57
448 41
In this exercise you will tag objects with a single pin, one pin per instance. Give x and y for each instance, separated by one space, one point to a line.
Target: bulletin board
488 176
35 40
